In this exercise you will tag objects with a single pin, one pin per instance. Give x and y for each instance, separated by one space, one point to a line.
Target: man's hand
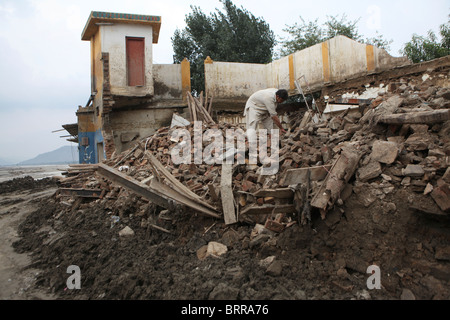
278 123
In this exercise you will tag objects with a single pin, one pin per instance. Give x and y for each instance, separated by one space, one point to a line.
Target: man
261 107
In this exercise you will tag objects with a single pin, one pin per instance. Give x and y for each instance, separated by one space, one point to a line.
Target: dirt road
16 274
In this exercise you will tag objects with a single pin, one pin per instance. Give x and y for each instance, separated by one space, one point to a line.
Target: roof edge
112 17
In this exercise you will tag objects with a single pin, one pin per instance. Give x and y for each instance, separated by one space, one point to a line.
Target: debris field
366 185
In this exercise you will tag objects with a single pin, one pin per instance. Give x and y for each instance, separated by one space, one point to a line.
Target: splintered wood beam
340 173
435 116
176 184
299 175
281 193
83 193
176 197
226 191
133 185
267 209
158 193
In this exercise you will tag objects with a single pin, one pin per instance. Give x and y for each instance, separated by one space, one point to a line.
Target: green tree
379 41
234 35
422 48
304 35
335 27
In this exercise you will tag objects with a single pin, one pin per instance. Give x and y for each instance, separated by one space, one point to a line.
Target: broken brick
441 196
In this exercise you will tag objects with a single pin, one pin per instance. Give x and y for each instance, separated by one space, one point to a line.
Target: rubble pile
360 150
366 184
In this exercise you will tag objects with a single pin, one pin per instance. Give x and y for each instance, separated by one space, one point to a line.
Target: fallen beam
426 117
281 193
80 192
340 173
226 191
176 184
299 175
267 209
158 193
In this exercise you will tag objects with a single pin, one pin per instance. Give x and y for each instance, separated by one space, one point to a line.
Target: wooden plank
127 155
193 108
177 185
340 173
428 117
213 192
268 209
190 108
299 175
133 185
229 211
202 110
210 105
158 193
81 192
282 193
175 196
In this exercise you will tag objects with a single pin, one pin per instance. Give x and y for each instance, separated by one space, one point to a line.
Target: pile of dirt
388 209
26 183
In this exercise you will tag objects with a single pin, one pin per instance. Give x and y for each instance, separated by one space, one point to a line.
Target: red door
135 61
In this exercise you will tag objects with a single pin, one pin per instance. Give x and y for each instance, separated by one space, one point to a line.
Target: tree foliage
425 48
234 35
306 34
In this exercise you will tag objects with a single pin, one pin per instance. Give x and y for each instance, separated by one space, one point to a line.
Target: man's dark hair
283 94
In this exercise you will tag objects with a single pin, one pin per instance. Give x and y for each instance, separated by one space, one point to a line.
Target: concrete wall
335 60
113 41
130 126
309 62
88 127
229 80
277 74
167 82
347 58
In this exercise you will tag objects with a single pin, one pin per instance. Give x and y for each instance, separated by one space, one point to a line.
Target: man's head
281 95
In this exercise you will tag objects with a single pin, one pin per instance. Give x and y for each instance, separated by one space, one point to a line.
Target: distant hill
63 155
4 162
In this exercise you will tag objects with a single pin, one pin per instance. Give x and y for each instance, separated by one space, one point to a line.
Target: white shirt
263 102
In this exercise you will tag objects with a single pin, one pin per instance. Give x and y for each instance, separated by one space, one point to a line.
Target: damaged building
363 179
130 96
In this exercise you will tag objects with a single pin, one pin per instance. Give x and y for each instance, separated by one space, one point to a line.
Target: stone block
413 170
441 196
369 171
384 151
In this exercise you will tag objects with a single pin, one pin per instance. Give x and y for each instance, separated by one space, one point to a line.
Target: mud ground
326 260
18 198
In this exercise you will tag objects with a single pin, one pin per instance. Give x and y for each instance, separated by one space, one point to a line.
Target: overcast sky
45 67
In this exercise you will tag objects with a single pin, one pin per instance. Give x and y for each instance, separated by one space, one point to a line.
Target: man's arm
278 123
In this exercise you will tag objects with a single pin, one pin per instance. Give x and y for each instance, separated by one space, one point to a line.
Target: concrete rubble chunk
267 261
446 176
126 232
384 151
216 249
428 188
442 253
407 295
275 268
441 196
413 170
369 171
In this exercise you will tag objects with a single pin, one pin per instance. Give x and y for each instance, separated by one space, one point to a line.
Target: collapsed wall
367 185
336 60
